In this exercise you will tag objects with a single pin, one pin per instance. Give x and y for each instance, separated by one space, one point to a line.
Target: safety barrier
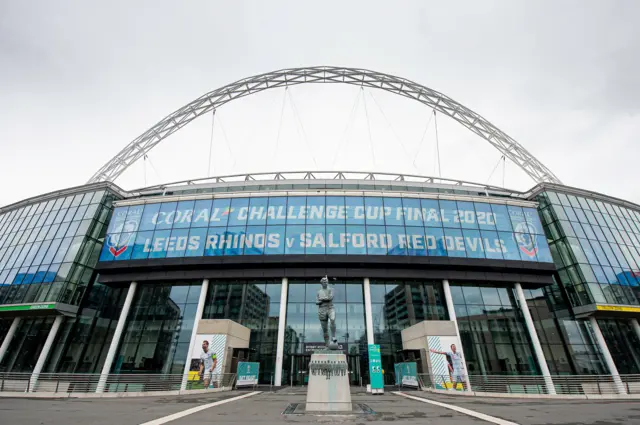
73 383
536 384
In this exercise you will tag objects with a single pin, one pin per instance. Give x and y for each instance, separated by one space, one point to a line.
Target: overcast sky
80 79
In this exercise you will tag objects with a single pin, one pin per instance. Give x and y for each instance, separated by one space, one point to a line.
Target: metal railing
70 383
536 384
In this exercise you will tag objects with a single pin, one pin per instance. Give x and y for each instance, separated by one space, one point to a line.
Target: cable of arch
142 144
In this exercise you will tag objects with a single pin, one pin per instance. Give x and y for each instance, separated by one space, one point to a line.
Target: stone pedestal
328 389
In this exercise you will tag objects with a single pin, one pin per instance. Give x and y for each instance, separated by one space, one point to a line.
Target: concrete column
12 330
115 341
282 321
368 310
533 334
452 316
201 301
613 370
45 353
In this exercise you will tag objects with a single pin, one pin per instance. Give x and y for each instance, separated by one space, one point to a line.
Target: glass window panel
336 241
142 246
297 293
255 241
160 239
239 212
449 215
296 210
293 239
316 209
511 251
398 240
455 242
467 215
528 244
435 242
62 250
355 209
216 241
486 217
473 244
258 210
315 240
492 244
234 239
393 211
71 212
166 215
377 240
176 246
357 240
117 220
412 212
374 210
501 215
431 212
277 210
201 213
275 240
149 216
220 213
416 242
183 215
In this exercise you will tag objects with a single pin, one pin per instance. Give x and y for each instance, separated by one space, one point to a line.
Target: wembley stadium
98 279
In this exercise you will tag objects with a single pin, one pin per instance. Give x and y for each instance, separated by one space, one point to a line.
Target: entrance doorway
299 372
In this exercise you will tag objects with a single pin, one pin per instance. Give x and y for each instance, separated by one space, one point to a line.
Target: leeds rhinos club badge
119 243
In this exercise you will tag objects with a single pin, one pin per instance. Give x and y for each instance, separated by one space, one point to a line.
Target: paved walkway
266 408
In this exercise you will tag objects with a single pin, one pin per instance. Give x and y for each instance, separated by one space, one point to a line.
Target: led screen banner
325 225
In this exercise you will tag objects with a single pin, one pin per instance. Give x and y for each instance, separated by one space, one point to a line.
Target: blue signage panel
325 225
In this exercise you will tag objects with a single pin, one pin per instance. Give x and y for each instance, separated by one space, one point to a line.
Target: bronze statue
327 313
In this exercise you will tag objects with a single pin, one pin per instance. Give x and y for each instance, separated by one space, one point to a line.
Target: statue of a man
326 312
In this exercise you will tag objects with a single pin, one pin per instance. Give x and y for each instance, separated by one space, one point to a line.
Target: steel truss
327 175
324 74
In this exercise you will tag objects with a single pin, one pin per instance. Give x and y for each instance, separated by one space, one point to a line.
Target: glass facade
325 225
303 331
48 249
596 247
398 304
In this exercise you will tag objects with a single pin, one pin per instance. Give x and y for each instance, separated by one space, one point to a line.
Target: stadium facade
543 282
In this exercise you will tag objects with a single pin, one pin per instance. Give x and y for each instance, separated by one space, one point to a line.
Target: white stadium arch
142 144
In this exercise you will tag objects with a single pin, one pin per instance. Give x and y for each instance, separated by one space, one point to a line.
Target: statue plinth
328 389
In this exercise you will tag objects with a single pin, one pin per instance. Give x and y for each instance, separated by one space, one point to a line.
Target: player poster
207 358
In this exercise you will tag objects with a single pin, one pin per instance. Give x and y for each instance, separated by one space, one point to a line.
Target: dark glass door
300 369
353 365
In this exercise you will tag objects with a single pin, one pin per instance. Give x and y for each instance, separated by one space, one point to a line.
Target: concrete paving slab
100 411
549 412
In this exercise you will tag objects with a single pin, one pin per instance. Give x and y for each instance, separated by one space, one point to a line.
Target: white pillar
368 309
115 341
533 334
452 316
282 320
201 301
45 353
613 370
7 339
634 323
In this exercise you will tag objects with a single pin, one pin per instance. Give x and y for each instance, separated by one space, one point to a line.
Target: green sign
26 307
375 367
406 374
247 373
